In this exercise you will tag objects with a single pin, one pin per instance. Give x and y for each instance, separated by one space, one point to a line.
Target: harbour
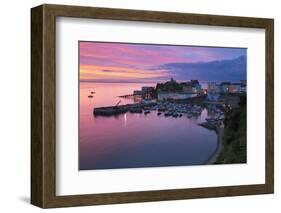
146 130
154 105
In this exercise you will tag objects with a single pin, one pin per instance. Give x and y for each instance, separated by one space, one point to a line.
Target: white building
234 88
243 87
213 87
162 96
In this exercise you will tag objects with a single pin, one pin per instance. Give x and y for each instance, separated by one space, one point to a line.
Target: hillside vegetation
235 139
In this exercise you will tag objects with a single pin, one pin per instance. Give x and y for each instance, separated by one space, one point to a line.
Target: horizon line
159 81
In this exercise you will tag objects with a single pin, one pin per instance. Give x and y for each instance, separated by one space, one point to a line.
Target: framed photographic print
136 106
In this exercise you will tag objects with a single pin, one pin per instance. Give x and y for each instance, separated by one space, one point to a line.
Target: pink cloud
145 56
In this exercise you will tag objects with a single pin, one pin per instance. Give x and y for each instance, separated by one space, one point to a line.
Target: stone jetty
116 110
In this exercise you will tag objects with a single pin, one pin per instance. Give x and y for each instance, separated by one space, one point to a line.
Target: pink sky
122 62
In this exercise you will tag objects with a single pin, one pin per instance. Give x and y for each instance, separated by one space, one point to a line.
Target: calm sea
137 140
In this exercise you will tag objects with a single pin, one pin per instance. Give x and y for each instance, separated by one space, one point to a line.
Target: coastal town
153 105
175 99
224 101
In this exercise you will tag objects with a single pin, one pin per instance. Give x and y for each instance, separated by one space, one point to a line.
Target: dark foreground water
137 140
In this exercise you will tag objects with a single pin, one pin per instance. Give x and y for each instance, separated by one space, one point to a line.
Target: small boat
180 115
162 109
90 96
211 120
146 112
168 114
136 110
159 113
92 92
175 115
189 115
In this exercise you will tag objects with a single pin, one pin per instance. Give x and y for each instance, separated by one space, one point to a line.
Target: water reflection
137 140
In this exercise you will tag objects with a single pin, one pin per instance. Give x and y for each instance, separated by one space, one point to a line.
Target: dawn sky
121 62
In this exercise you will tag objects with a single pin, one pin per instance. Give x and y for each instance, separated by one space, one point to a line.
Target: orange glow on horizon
88 72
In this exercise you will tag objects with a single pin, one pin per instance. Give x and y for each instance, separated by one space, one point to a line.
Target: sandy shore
212 159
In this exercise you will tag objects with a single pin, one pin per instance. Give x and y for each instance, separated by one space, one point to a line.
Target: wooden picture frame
43 105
